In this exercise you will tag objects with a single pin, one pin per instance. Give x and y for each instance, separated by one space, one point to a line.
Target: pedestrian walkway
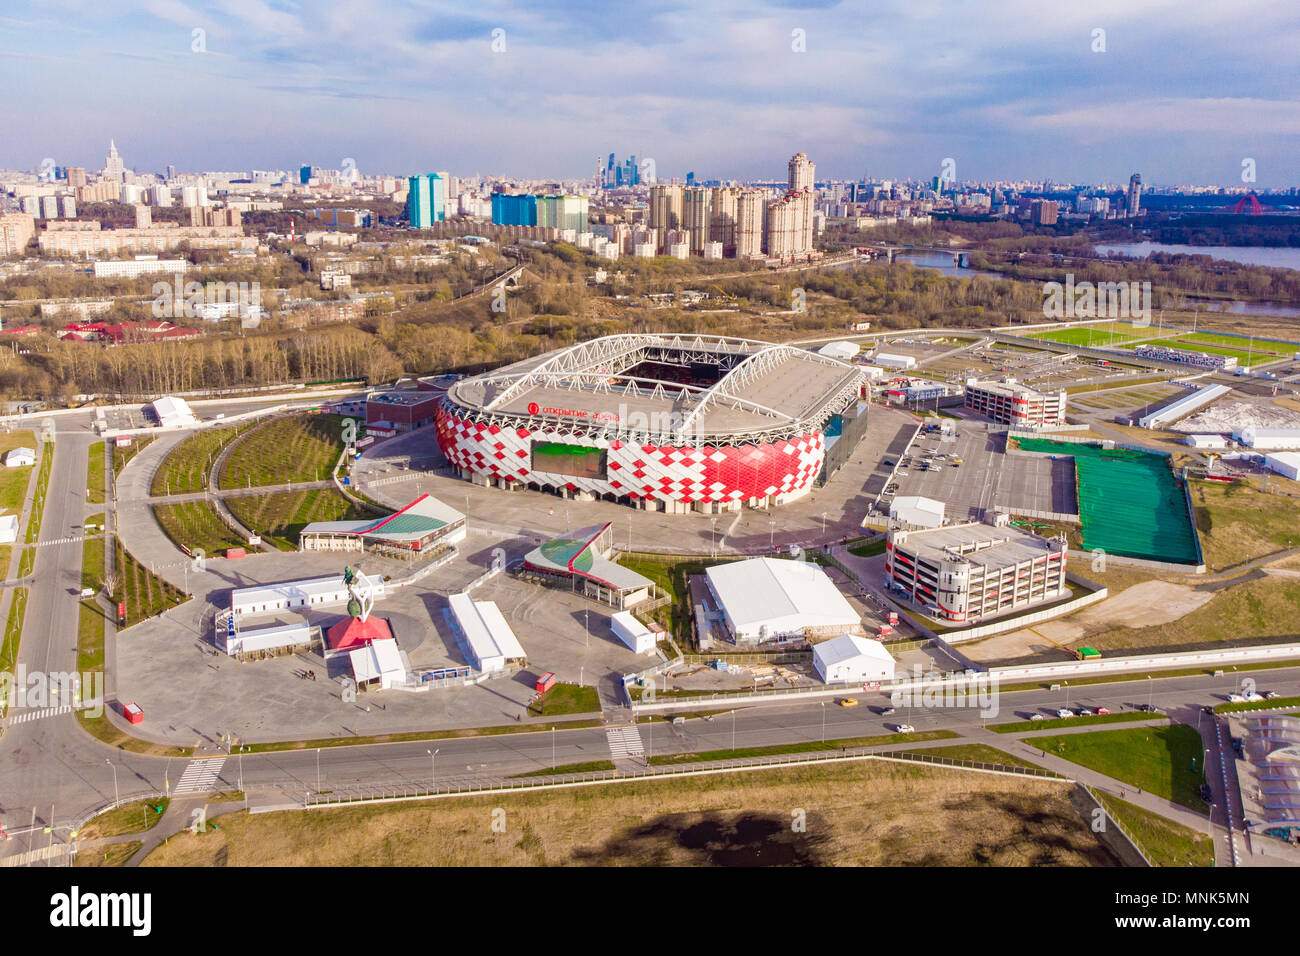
29 857
28 715
625 742
199 776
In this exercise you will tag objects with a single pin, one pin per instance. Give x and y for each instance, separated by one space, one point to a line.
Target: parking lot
986 477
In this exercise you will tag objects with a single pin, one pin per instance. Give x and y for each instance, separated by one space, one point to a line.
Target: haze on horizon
1183 92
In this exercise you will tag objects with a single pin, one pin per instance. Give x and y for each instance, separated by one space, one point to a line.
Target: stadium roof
764 390
423 515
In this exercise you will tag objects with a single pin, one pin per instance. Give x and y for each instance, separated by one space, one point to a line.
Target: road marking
625 742
31 856
199 775
25 716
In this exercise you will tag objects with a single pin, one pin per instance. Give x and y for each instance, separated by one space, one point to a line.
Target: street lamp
1067 694
116 796
823 721
317 769
771 537
586 623
823 524
713 547
433 769
733 729
1150 691
552 748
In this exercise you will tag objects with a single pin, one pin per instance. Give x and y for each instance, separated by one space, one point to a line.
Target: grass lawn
1238 522
298 448
26 561
1248 706
197 526
95 474
6 555
869 550
281 516
13 630
594 766
1099 334
669 573
326 742
13 481
808 746
144 592
1157 759
92 563
45 462
1019 726
90 637
185 469
862 813
111 854
135 817
981 753
566 699
1165 842
122 456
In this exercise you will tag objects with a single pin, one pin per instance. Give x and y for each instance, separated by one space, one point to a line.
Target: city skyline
1010 95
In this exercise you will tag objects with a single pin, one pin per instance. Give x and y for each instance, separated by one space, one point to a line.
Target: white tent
850 658
917 511
1284 463
17 457
8 529
378 660
173 413
632 632
767 598
839 350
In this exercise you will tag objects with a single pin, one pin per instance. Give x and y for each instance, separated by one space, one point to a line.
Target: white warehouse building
852 658
770 599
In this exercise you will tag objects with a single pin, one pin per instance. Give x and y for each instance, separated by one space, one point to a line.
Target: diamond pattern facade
684 474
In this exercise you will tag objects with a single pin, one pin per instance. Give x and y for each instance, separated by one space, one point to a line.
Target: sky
1182 91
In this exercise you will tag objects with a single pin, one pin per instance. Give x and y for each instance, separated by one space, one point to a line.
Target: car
1087 712
848 702
1206 793
1252 697
1037 717
886 711
888 464
1270 694
1063 713
1208 709
904 729
1236 699
1148 708
1103 710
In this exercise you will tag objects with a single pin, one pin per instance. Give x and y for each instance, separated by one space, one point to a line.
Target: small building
8 529
582 557
849 658
484 637
1267 439
1206 441
890 360
639 638
422 526
308 593
377 662
353 632
1284 463
172 413
917 511
19 457
773 599
844 351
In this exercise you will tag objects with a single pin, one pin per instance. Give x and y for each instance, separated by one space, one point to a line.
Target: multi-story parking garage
663 422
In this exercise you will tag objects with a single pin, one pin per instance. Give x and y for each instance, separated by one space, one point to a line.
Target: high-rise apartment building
1134 198
750 220
723 207
514 209
696 216
1042 212
16 230
143 217
801 172
76 176
426 200
665 208
162 195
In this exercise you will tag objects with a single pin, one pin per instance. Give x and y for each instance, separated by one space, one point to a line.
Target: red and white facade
660 477
1016 405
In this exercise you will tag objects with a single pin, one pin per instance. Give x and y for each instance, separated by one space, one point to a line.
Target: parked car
1037 717
1252 697
1270 694
1206 793
1236 699
904 729
1086 712
1103 710
1063 713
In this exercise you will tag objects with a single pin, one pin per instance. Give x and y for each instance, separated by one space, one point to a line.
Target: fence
1132 840
975 765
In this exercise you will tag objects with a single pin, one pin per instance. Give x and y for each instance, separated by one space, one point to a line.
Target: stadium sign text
535 409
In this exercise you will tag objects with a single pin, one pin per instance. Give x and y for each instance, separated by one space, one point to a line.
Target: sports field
1130 502
1248 352
1100 335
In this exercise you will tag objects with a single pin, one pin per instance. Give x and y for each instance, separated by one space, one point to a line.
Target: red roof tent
352 632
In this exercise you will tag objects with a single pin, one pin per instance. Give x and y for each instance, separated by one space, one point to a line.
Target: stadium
663 422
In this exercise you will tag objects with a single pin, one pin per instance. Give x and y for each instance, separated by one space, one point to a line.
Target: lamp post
586 623
552 748
733 729
116 796
1150 691
823 721
713 547
318 770
771 536
433 769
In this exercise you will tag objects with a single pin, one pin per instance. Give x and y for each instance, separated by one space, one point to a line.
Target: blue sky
1183 92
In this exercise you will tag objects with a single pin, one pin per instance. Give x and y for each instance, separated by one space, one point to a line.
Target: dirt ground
1148 604
856 814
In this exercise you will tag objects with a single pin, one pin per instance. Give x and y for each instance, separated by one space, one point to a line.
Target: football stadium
663 422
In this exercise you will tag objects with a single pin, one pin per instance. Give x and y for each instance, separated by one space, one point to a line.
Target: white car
1236 699
904 729
1064 713
1037 717
1252 697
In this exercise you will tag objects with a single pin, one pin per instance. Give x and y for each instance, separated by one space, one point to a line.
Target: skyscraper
801 172
1134 202
426 200
749 223
722 217
113 169
665 208
696 217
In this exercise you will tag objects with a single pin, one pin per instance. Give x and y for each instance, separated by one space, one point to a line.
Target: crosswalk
625 742
24 716
32 856
68 540
199 776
